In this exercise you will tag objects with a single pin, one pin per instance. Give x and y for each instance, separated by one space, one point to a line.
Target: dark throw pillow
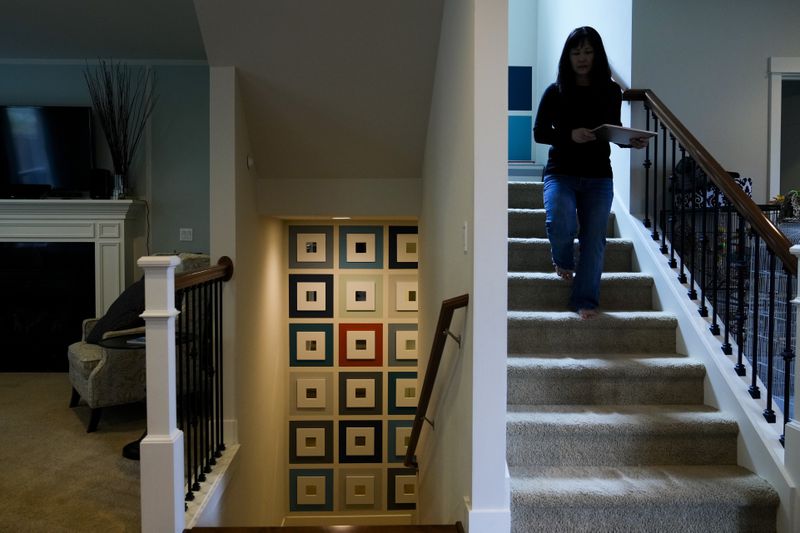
123 313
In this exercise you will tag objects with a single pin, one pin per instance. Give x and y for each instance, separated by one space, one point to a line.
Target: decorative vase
118 192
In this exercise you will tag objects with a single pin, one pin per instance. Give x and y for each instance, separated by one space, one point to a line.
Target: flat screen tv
45 150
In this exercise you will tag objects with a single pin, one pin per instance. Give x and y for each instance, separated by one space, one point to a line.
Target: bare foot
587 314
564 274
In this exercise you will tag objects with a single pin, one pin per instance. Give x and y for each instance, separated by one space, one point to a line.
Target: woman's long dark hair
600 73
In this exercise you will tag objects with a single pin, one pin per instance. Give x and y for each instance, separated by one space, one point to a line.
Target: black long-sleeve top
560 112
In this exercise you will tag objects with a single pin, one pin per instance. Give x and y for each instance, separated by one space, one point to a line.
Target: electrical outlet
186 234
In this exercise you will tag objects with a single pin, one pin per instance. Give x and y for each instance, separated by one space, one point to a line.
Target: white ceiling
330 88
86 29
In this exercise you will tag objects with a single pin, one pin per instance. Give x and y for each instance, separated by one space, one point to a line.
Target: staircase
606 426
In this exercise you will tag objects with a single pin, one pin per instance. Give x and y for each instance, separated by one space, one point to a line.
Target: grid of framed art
352 318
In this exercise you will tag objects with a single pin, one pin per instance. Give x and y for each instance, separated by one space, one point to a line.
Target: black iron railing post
788 357
672 214
741 316
656 218
646 165
769 413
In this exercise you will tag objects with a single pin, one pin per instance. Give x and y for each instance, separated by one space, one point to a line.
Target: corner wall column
161 451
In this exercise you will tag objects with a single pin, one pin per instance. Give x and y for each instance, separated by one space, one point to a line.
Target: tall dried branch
123 99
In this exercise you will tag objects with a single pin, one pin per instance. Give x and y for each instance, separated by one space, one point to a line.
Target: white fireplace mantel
106 223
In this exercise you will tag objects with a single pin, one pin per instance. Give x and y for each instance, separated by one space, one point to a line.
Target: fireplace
61 261
48 289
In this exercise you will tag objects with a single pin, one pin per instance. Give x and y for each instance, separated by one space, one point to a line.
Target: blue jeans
591 199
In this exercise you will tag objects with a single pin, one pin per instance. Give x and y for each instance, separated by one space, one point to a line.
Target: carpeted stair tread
533 255
619 291
688 498
532 332
613 380
526 222
525 194
632 418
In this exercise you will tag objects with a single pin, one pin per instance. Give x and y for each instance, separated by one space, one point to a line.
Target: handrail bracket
453 336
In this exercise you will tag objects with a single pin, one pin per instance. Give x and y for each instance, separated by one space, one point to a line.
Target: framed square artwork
360 393
401 488
403 247
398 439
360 344
361 246
311 441
403 393
310 296
310 246
360 488
311 489
360 441
403 344
360 295
311 344
407 296
311 394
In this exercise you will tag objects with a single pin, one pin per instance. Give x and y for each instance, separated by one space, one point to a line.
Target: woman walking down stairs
606 426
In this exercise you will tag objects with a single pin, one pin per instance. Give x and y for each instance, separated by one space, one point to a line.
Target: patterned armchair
103 377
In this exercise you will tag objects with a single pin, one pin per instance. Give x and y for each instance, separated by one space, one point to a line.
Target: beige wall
462 463
255 342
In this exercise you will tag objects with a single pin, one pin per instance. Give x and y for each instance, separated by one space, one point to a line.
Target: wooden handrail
222 270
437 348
771 235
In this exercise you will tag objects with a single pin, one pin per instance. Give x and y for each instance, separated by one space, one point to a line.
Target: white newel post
161 452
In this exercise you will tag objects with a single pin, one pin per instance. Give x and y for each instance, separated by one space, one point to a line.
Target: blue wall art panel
310 296
311 344
520 88
397 439
311 489
401 488
360 441
403 393
403 247
311 441
519 138
310 246
360 246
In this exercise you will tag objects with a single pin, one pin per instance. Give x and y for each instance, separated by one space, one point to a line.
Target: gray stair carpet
606 427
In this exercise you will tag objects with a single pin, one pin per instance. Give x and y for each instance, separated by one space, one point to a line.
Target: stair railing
184 391
442 331
723 244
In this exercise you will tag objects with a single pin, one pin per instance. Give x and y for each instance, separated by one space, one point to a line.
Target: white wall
255 342
462 464
708 62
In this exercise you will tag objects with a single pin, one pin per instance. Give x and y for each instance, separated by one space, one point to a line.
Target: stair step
619 291
635 380
690 499
525 194
533 255
621 332
606 435
525 223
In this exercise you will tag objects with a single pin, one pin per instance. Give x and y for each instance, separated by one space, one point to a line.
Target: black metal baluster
673 215
220 358
195 386
646 165
769 414
741 266
715 311
788 356
662 218
201 393
727 349
656 220
692 267
703 309
754 390
207 377
188 400
684 231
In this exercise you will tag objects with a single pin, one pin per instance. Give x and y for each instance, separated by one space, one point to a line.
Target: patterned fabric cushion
84 357
711 196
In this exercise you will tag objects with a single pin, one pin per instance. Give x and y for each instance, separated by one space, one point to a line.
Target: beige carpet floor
55 477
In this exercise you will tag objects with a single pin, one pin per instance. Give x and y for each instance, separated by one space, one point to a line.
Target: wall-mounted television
45 150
